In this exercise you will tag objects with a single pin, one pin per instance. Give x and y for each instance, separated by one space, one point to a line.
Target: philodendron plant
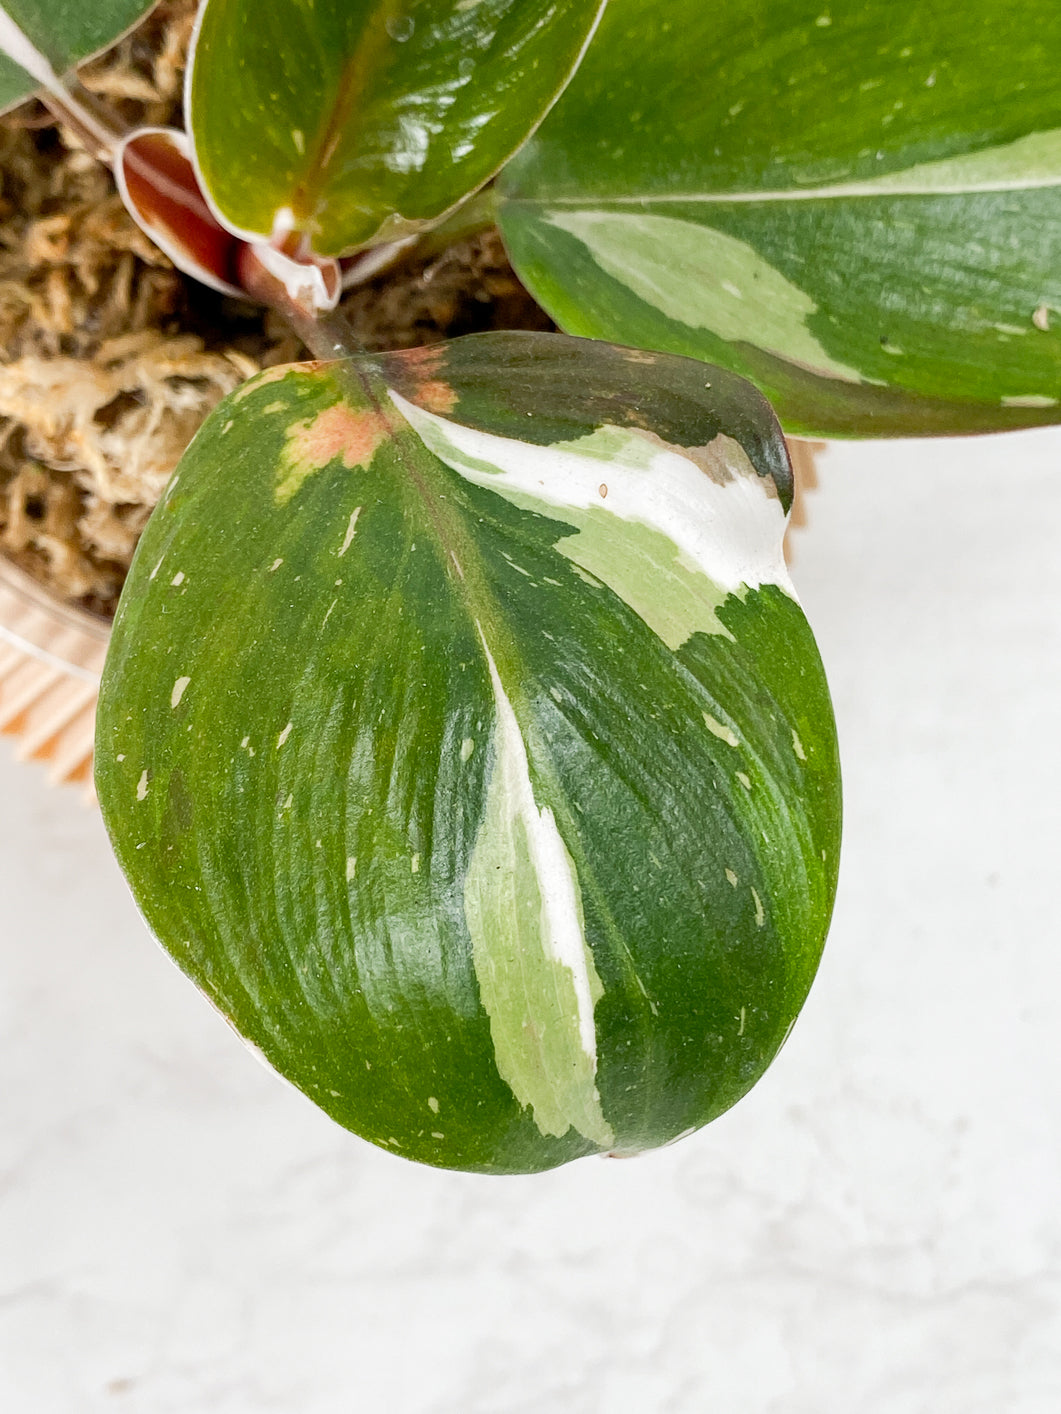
461 734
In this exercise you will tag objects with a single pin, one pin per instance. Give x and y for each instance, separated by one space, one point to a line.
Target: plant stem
96 127
326 333
327 336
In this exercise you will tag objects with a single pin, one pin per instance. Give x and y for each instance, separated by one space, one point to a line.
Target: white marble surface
875 1230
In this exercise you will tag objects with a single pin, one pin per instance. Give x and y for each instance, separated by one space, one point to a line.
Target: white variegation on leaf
672 530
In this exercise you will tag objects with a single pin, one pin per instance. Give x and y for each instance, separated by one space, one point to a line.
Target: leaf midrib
462 560
364 63
850 191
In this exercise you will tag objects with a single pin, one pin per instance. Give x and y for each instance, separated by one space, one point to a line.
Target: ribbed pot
51 658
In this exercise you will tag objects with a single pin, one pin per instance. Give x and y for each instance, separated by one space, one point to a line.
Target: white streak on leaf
141 787
15 44
562 935
717 728
537 979
760 916
1028 163
178 691
1029 400
350 530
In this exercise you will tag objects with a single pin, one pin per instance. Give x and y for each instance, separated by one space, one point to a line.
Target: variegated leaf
41 39
857 205
462 738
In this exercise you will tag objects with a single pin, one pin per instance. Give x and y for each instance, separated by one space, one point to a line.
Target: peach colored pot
51 657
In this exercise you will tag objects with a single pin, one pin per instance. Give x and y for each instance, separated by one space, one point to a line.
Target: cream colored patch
267 376
350 531
141 787
1029 400
178 691
704 278
716 728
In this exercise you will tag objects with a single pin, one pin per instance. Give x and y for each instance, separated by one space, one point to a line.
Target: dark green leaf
349 121
40 39
461 737
858 205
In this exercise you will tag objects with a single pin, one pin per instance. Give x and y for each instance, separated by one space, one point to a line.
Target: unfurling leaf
856 205
351 121
40 40
463 740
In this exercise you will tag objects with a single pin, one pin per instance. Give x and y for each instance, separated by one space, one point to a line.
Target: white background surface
876 1229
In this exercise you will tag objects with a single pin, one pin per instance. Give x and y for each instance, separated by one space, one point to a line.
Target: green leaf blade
861 215
62 33
431 809
355 122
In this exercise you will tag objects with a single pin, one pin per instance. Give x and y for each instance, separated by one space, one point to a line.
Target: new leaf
351 121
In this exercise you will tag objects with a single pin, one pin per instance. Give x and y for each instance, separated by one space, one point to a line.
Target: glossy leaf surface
856 205
462 738
53 35
359 120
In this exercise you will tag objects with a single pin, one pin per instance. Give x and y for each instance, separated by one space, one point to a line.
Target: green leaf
42 39
857 205
461 737
351 121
